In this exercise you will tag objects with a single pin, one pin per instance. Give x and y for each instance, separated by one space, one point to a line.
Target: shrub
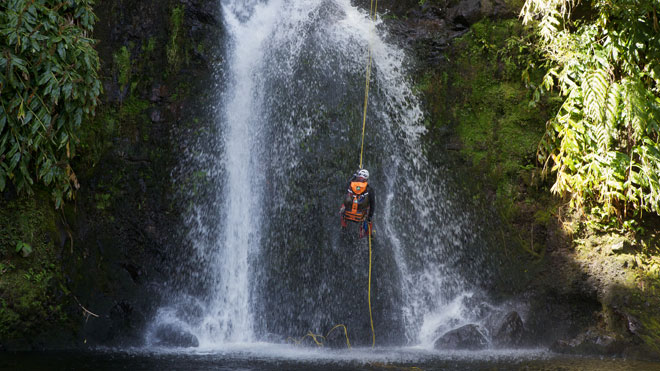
48 87
603 143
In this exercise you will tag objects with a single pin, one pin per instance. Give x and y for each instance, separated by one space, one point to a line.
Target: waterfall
269 256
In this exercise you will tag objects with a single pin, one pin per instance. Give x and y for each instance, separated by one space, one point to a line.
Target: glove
368 228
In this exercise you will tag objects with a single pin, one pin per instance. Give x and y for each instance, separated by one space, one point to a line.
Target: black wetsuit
369 192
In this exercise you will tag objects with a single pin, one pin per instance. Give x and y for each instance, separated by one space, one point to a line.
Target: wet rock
511 331
618 247
468 12
632 324
156 116
465 13
172 336
158 92
466 337
493 321
591 342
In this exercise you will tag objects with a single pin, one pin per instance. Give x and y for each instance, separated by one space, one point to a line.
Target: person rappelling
359 203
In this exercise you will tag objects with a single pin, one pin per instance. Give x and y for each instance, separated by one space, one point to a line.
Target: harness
359 197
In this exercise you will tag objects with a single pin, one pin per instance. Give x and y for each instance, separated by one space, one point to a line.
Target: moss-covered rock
479 109
33 298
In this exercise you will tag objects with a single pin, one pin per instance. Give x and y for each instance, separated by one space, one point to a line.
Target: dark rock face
467 337
465 13
157 59
510 332
429 27
172 336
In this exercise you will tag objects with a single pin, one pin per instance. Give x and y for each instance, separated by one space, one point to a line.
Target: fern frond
595 88
549 25
612 111
605 148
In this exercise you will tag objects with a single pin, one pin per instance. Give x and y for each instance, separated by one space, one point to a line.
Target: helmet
363 173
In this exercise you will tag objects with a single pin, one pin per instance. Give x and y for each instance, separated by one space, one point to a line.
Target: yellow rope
372 15
348 342
373 333
315 337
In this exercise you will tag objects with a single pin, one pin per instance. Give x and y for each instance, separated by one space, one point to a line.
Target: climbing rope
372 15
371 319
315 337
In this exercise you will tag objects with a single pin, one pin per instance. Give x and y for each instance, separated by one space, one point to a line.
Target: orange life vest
358 209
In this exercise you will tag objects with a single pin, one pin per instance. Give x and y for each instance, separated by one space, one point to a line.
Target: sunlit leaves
603 143
48 85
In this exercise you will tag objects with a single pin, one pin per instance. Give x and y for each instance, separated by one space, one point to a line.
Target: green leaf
66 89
61 51
27 118
14 160
3 119
45 77
24 249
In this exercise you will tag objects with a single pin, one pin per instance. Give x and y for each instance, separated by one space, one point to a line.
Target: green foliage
48 85
604 143
481 96
24 249
172 49
498 129
122 60
31 295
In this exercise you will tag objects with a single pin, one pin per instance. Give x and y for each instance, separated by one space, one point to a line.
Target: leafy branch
49 86
604 142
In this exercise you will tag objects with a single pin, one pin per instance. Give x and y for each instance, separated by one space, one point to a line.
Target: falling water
270 257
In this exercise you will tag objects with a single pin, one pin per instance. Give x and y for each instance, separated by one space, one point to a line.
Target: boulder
156 116
465 337
617 247
174 336
465 13
510 332
593 341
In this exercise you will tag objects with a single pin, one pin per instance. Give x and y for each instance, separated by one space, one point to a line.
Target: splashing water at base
261 356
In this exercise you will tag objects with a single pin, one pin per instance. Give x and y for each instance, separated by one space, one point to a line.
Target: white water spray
229 317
